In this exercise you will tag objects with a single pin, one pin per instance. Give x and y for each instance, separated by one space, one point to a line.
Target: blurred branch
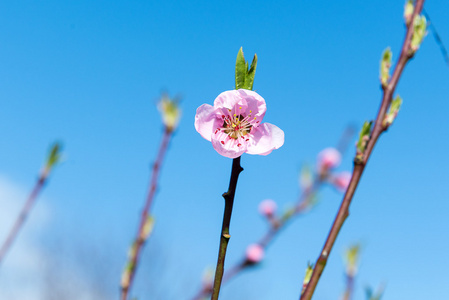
408 50
170 114
53 158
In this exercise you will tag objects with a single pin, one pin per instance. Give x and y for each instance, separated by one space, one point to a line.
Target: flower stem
23 215
136 249
302 205
359 166
225 236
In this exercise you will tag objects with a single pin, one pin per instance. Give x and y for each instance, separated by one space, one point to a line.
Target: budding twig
359 165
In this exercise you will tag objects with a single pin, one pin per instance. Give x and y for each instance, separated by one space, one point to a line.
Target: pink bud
254 253
328 158
341 181
267 208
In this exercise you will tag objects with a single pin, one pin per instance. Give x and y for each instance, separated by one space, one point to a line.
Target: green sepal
244 77
363 140
393 111
385 65
419 32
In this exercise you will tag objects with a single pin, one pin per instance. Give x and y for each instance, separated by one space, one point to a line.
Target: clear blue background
90 73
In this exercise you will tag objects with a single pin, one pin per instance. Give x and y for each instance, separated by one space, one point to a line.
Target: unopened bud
341 181
328 158
267 208
254 253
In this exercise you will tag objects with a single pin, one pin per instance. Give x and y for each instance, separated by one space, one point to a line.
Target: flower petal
227 146
204 120
248 100
265 139
255 103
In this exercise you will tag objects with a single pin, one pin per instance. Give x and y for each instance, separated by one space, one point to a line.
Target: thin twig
225 236
136 250
379 128
22 216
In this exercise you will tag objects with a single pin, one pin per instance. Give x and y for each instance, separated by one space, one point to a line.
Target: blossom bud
267 208
328 158
341 181
170 112
254 253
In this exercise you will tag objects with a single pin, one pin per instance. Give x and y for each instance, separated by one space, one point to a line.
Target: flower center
236 126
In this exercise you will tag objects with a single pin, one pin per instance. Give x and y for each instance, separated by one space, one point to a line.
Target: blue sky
89 73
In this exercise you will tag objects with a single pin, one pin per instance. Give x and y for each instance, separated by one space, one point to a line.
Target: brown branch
136 249
379 128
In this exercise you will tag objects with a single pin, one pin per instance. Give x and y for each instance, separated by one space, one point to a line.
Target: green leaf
251 73
244 77
385 65
240 70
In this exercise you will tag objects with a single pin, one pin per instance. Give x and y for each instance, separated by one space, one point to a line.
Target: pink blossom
267 208
328 158
234 124
341 181
254 253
